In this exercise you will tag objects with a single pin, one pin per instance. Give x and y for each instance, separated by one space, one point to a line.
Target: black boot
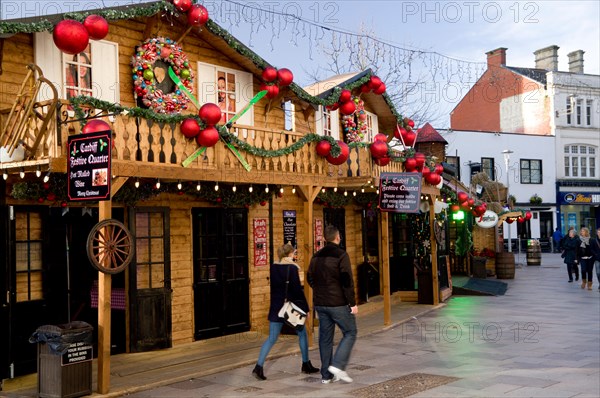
258 372
307 367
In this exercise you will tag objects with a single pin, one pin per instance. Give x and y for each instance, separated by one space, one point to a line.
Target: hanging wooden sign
400 192
260 242
88 166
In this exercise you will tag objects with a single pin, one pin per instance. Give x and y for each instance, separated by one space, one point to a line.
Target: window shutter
244 93
207 83
335 124
105 70
49 59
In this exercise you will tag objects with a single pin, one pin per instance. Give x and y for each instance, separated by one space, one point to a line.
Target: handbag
291 314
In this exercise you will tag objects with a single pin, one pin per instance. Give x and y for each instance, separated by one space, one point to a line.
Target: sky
454 30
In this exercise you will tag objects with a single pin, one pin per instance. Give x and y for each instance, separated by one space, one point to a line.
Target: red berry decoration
182 5
269 74
70 36
528 215
380 137
509 220
410 164
379 90
94 126
51 197
198 15
462 197
342 157
190 128
348 108
272 90
285 77
63 204
378 149
208 137
374 83
96 26
345 96
40 200
384 161
210 113
323 148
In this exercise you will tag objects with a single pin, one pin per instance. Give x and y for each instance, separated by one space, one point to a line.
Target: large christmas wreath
151 80
355 125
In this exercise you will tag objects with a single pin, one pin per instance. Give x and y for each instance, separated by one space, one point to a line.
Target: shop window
487 166
531 171
29 281
580 161
150 250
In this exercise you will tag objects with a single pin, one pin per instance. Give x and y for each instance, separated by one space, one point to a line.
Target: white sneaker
340 374
334 379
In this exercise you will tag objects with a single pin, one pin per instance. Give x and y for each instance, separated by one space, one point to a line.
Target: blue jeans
328 318
587 266
274 332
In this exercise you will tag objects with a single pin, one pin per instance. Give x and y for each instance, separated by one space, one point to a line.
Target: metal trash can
64 359
534 252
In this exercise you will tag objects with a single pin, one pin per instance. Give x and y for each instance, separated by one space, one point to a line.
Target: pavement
540 339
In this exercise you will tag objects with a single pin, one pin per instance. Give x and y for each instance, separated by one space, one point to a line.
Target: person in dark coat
279 276
595 246
570 246
585 258
556 239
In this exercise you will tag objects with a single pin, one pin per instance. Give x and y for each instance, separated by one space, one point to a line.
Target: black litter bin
64 359
425 295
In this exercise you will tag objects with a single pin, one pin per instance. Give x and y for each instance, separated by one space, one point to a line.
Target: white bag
292 315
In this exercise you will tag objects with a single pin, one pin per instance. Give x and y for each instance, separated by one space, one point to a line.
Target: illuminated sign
580 198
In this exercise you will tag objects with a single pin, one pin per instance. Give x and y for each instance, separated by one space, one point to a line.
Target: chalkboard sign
88 166
289 227
400 192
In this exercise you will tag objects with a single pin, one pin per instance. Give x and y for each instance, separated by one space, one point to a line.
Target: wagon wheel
110 246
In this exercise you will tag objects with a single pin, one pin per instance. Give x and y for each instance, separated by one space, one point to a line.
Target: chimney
496 57
576 61
547 58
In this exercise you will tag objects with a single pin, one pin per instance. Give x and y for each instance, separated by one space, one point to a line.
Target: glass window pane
156 224
574 149
143 276
567 163
591 150
582 149
141 224
575 170
158 276
142 250
566 149
157 249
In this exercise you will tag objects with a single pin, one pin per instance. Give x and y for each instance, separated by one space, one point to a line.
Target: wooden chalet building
204 234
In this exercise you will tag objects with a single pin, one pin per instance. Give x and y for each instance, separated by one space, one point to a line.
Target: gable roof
428 134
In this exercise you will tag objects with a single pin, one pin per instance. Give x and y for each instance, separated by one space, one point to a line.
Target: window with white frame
569 110
372 126
588 112
578 111
327 122
580 161
289 115
531 171
487 166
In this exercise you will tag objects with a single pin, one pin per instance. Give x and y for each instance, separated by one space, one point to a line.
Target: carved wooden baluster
259 143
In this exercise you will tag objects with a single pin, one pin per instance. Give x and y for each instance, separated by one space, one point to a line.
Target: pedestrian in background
330 276
279 273
570 245
556 238
584 255
595 246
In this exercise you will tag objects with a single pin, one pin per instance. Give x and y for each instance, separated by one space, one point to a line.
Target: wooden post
434 257
104 292
384 257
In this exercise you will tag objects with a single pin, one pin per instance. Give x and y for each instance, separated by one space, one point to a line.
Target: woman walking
279 278
584 254
570 245
595 246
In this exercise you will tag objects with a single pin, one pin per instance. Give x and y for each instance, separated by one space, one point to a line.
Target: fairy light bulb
281 190
157 184
267 189
38 172
179 185
137 183
294 190
198 187
323 190
46 177
362 190
216 186
250 189
354 193
22 174
234 188
345 193
335 189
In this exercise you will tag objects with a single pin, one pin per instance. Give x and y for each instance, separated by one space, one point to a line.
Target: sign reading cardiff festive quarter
400 192
88 166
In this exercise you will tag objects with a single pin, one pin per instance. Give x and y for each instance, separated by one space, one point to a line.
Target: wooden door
221 283
337 218
150 290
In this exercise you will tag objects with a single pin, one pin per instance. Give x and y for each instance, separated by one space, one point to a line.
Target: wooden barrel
505 265
534 252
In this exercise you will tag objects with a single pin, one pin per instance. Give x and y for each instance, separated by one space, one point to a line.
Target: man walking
557 238
330 276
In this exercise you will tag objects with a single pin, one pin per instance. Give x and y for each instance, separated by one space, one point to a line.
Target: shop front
578 206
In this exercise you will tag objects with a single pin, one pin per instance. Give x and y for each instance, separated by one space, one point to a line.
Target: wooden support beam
116 184
104 321
151 26
188 30
385 267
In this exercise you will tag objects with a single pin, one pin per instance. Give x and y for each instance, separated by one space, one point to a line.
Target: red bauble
190 128
263 202
471 201
384 161
509 220
51 197
94 126
269 74
465 205
454 208
479 210
182 5
410 164
410 123
365 88
409 138
96 26
433 178
210 113
380 137
345 96
285 77
198 15
272 90
323 148
420 158
380 90
521 219
439 169
335 106
208 137
462 197
343 156
399 132
378 149
425 171
70 36
528 215
348 108
40 200
374 82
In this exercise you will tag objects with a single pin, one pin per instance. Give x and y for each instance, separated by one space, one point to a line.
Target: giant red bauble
439 169
269 74
285 77
348 108
528 215
410 164
374 82
409 122
210 113
208 137
70 36
454 208
345 96
378 149
380 137
471 201
365 88
272 90
384 161
462 197
198 15
425 171
182 5
190 128
520 219
479 210
409 138
323 148
96 26
433 178
379 90
510 220
399 132
420 158
94 126
342 157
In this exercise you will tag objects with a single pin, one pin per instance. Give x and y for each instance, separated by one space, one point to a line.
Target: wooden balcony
147 149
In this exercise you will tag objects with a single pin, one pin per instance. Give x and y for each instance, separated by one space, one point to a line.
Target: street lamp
506 154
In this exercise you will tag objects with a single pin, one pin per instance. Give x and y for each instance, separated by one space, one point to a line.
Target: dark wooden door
221 283
150 290
337 218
